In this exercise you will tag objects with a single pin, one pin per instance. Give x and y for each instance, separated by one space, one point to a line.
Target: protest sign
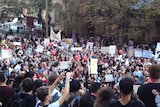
138 52
147 54
6 53
112 50
17 43
39 48
76 48
89 45
68 40
46 41
109 78
157 54
64 65
105 49
94 66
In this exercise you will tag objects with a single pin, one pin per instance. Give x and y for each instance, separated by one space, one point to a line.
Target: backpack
73 101
18 101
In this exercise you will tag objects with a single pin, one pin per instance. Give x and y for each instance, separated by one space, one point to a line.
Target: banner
54 36
105 49
147 54
112 50
94 66
138 52
6 53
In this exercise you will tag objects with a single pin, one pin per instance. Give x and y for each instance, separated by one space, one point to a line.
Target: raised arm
66 89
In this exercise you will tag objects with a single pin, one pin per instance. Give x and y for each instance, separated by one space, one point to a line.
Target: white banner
54 36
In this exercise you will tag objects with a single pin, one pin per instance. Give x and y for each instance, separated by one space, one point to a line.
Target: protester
104 97
145 91
26 96
6 92
126 91
44 92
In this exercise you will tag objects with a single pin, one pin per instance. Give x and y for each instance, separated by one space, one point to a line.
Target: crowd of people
54 75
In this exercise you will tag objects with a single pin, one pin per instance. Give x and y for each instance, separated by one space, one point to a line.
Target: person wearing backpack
73 97
126 90
25 98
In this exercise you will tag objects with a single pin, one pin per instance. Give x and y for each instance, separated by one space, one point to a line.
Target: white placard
157 54
6 53
147 54
89 45
109 78
46 41
112 50
138 52
94 66
76 48
64 65
17 43
40 48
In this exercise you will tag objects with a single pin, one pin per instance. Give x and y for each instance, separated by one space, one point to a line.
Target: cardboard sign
131 52
68 40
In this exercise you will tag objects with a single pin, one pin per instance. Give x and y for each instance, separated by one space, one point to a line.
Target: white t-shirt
55 104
